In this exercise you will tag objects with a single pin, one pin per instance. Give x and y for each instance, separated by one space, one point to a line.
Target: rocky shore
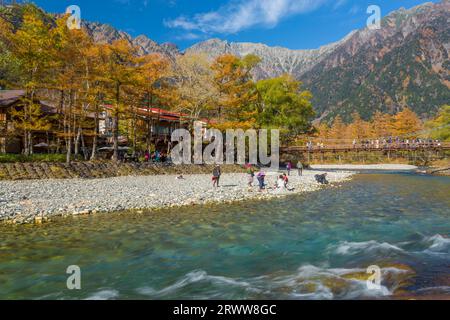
37 201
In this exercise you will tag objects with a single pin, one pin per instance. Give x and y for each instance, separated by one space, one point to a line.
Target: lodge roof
9 97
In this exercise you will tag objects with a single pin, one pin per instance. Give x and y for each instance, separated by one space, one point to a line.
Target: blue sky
295 24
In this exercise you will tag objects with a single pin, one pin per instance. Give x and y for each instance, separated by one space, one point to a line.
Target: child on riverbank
289 167
285 180
216 176
250 175
261 177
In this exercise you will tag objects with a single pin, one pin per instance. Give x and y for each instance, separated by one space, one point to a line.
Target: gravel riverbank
383 167
38 200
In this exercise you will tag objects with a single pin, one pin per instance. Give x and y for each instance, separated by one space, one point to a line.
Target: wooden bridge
366 148
421 153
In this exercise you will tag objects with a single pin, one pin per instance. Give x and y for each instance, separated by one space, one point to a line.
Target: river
311 246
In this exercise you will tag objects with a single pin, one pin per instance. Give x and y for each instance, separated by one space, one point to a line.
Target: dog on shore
321 178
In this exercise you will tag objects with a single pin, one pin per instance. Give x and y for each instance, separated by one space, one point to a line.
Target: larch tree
358 128
120 72
194 83
152 88
407 122
238 96
381 125
30 45
72 80
338 129
95 57
9 64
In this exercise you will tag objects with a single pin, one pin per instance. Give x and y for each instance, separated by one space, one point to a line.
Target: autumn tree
237 92
381 125
30 46
322 130
74 81
338 129
9 64
120 72
96 65
152 88
358 128
406 122
194 83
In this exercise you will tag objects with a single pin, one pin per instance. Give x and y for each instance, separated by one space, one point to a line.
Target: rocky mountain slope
275 60
405 63
104 33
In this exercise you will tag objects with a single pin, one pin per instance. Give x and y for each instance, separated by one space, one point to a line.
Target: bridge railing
371 147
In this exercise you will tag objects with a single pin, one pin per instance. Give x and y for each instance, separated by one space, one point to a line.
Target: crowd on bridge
386 143
397 143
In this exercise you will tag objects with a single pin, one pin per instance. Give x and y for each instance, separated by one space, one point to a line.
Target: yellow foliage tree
406 122
30 45
237 91
382 125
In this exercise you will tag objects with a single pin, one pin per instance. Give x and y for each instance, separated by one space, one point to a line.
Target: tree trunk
116 137
25 143
69 148
116 126
59 112
134 132
83 147
94 142
149 120
30 141
68 130
77 143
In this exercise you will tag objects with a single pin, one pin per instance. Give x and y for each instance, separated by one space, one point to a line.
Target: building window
2 145
2 123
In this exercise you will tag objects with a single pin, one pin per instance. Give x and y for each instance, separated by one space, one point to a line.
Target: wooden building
155 125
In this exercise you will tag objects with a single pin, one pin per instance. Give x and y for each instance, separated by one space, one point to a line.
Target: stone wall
90 170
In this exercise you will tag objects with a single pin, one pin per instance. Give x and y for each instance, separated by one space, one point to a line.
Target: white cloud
189 36
240 15
354 9
339 3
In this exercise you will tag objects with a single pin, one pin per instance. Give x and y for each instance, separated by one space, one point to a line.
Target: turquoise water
313 246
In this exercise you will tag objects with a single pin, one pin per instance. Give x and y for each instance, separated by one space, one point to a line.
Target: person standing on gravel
250 175
216 176
300 168
289 168
261 177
